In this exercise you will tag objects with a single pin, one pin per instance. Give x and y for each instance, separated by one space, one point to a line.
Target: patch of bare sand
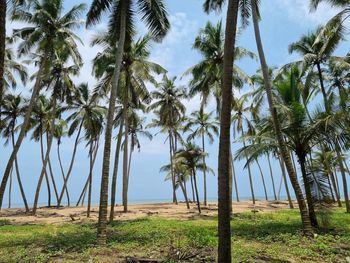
54 215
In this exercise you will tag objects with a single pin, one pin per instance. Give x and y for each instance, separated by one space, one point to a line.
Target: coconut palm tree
201 126
121 28
224 228
251 9
12 110
170 111
48 28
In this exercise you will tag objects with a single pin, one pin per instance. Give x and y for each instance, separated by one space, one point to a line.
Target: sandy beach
47 215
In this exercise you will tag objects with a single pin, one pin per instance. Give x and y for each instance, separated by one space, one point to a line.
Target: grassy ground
261 237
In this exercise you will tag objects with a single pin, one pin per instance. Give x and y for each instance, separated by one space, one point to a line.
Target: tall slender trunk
249 172
323 90
337 195
19 176
307 227
3 7
263 179
70 169
234 179
173 181
10 189
62 170
309 198
284 179
272 177
184 191
102 218
224 212
24 126
342 171
48 150
196 190
45 172
125 156
93 154
205 173
115 171
51 173
193 193
331 188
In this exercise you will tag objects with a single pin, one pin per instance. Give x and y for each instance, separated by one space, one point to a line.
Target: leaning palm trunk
93 154
45 172
249 173
183 188
10 189
102 217
47 155
125 155
115 171
3 6
19 176
263 179
70 165
284 179
307 227
224 211
234 178
196 189
62 171
51 173
272 178
337 195
24 127
192 188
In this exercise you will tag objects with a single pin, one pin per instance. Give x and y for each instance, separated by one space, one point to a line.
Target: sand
52 215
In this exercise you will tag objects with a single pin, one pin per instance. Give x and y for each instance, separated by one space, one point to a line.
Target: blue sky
283 21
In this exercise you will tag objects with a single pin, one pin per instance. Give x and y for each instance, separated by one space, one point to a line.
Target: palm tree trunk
115 171
51 173
249 172
204 173
24 126
125 156
19 176
337 195
48 150
62 170
196 189
342 171
224 212
10 189
172 166
272 177
331 188
284 179
193 193
234 177
183 188
309 198
93 153
3 7
102 218
263 179
70 169
307 227
127 179
323 90
45 172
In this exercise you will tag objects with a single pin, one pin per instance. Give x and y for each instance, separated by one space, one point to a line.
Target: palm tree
121 27
283 150
204 126
12 110
48 29
191 156
170 111
224 228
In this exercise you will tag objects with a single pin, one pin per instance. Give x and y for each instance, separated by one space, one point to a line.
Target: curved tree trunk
272 177
204 173
224 212
24 126
115 171
307 227
62 171
19 176
70 169
263 179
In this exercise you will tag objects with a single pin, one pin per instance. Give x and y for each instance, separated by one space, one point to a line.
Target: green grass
268 237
